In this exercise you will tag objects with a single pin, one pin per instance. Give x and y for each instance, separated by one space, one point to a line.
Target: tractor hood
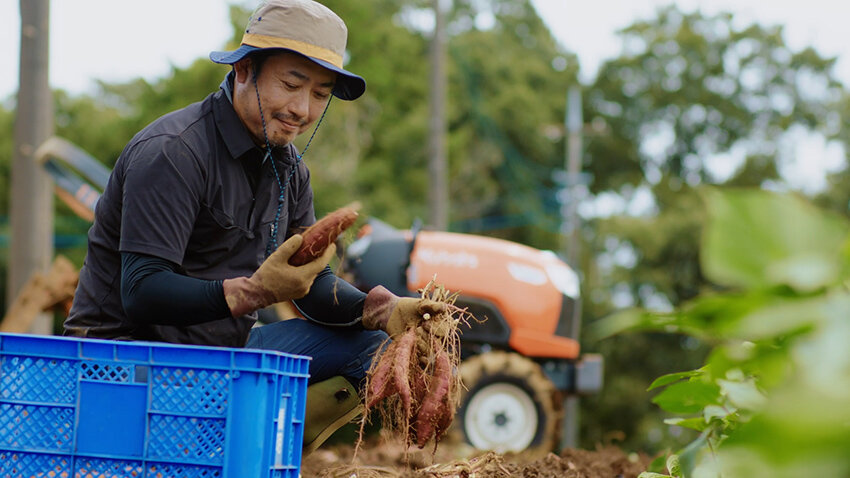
534 293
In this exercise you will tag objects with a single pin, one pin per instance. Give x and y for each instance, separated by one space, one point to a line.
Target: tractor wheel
508 405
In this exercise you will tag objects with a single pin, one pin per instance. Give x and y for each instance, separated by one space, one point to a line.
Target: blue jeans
346 351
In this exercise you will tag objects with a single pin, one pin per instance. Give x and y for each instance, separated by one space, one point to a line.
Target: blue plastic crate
95 408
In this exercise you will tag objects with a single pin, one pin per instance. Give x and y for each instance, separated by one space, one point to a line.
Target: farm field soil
379 459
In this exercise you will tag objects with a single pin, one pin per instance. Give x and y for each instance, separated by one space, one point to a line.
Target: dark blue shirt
192 189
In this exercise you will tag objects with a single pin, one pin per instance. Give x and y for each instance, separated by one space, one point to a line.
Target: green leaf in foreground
688 397
672 377
759 239
696 423
772 398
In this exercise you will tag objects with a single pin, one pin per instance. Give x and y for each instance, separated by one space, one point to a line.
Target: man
185 242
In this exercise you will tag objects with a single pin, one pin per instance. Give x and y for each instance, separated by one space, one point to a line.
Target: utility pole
438 190
574 123
31 201
572 162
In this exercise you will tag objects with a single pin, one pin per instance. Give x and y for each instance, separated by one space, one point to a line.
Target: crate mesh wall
109 468
184 389
38 379
106 372
26 465
176 437
182 471
31 426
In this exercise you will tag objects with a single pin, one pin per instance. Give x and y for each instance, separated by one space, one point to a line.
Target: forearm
332 301
243 296
153 292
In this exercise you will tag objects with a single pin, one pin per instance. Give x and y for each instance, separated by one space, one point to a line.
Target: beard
283 137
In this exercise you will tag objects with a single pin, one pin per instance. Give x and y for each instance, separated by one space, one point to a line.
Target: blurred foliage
690 95
836 195
687 89
690 88
706 87
7 120
771 398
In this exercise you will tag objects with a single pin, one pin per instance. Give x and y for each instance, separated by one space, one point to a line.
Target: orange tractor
520 356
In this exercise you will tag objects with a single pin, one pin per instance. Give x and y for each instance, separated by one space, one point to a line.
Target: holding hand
385 311
276 280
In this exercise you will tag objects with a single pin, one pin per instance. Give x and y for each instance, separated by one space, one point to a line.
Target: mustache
290 118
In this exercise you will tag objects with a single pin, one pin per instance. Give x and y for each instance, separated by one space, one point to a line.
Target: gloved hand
385 311
275 281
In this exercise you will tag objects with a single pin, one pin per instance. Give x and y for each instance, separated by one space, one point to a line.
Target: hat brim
348 85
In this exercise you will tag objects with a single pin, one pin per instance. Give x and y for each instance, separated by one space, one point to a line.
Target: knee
374 339
368 344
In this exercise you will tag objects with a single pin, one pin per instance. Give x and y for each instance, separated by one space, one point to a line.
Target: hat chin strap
271 246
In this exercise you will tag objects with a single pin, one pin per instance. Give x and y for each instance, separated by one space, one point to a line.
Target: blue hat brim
348 86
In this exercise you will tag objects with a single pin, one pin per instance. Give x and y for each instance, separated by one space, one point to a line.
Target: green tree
836 196
503 107
6 124
7 119
497 104
688 92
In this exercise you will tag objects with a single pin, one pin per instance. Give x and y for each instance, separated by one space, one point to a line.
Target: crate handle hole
141 375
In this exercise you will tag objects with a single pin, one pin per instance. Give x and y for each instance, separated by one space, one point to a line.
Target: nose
299 105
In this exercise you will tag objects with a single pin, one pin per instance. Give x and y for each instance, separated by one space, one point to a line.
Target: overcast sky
116 40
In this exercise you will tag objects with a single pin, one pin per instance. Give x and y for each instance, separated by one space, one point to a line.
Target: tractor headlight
564 279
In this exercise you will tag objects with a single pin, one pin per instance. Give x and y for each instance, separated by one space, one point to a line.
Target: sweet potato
391 372
435 405
320 235
381 384
401 367
419 384
445 416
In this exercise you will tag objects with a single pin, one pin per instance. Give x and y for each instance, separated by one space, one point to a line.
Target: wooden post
574 124
31 201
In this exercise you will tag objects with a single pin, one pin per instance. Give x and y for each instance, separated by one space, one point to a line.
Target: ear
244 69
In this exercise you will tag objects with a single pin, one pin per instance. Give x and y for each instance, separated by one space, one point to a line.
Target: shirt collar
227 86
232 131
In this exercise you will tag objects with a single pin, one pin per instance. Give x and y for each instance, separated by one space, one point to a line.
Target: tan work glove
275 281
385 311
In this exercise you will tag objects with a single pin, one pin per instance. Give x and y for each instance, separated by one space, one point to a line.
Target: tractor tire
508 405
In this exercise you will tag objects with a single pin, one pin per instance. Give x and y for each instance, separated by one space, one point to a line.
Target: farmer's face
293 91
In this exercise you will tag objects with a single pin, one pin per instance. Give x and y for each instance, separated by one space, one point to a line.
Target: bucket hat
304 27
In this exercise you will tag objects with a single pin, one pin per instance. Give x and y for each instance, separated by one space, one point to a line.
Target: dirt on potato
380 458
